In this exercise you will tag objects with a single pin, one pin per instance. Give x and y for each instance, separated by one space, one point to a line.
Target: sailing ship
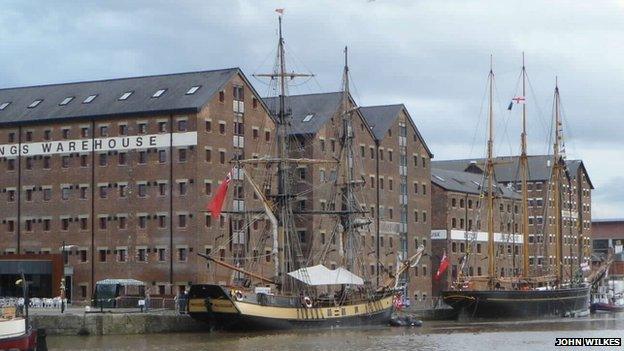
528 295
301 295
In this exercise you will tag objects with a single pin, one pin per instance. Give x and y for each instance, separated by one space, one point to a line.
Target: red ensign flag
216 204
444 263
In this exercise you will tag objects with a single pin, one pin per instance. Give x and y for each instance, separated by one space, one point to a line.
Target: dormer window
125 95
193 90
66 101
35 103
89 99
158 93
4 105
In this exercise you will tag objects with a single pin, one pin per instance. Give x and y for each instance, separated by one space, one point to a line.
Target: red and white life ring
307 302
238 295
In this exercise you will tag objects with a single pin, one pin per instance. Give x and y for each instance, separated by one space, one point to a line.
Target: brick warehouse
133 205
576 210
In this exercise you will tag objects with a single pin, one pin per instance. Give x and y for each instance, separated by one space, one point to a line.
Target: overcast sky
433 56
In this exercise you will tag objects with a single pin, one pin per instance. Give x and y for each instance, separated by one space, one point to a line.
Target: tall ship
303 292
529 294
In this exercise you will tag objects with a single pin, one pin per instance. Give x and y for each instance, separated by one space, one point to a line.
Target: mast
490 180
524 167
349 181
283 211
556 181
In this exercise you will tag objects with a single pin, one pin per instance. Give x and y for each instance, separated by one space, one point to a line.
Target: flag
510 106
280 11
216 204
519 100
444 263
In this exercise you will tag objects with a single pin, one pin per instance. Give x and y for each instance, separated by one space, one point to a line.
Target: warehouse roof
308 112
467 182
507 167
380 118
168 93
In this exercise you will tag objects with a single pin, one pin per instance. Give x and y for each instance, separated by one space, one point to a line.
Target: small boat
606 307
17 334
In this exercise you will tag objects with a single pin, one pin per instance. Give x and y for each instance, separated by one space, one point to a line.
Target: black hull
240 322
518 303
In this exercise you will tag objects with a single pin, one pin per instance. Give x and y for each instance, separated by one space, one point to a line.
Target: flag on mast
444 263
517 100
280 11
216 204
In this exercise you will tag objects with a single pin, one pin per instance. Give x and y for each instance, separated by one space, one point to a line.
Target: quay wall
116 324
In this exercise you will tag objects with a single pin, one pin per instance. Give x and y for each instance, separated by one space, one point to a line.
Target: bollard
42 345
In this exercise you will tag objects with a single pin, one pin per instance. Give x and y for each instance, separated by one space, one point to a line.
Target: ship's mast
490 180
349 180
284 212
556 183
524 168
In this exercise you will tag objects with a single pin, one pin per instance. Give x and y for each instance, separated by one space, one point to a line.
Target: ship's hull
220 309
518 303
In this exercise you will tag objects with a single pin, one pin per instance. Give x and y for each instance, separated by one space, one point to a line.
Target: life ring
307 302
238 295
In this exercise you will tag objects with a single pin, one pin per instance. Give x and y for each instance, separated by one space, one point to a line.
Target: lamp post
64 246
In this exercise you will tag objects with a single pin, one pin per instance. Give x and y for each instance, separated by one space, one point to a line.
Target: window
161 254
102 254
193 90
29 194
65 161
142 221
142 128
308 118
122 190
221 96
208 221
83 223
142 190
65 193
182 188
46 162
47 194
84 132
142 255
66 133
46 225
47 134
103 191
66 101
181 155
239 93
222 157
121 255
162 189
83 192
123 129
103 159
103 222
255 133
267 135
29 162
208 126
4 105
142 157
65 223
221 127
162 156
208 155
182 221
162 127
35 103
11 164
29 136
89 99
254 103
28 225
123 222
162 223
158 93
104 131
208 188
182 125
125 95
10 225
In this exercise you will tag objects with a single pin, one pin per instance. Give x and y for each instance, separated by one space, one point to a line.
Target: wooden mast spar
524 167
490 176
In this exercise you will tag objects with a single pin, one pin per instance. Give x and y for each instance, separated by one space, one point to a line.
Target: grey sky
431 55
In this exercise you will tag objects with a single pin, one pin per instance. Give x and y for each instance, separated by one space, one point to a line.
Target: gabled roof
107 102
321 107
507 168
466 182
381 118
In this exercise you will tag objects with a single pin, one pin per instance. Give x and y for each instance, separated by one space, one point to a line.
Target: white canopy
321 275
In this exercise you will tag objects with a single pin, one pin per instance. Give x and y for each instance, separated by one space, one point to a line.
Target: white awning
321 275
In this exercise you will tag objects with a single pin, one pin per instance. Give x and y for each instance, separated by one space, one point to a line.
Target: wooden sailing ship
301 294
528 295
